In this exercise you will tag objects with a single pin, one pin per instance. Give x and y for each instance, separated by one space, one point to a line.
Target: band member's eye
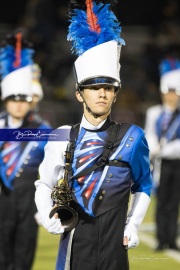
108 88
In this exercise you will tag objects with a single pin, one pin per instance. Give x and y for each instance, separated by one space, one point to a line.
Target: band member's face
99 99
17 109
171 99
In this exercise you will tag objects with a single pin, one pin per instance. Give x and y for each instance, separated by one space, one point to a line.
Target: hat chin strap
89 110
87 107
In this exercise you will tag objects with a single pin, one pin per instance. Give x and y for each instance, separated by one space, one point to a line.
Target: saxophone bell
61 195
67 215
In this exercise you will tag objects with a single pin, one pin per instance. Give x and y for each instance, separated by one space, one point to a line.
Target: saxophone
61 195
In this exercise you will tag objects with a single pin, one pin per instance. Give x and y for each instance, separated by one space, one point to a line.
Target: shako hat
16 68
170 75
95 34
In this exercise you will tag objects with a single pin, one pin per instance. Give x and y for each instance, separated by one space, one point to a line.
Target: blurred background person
19 160
37 93
37 90
163 135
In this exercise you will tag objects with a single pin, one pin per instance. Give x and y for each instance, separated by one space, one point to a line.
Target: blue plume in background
7 58
168 65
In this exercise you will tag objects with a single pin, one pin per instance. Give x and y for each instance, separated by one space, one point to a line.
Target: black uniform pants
18 229
98 242
168 198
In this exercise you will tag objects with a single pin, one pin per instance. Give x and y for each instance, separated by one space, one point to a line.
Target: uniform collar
101 127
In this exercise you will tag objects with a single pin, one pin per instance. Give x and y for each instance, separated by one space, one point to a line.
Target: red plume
92 19
17 61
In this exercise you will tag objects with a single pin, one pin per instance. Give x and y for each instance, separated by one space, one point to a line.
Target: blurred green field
46 251
141 258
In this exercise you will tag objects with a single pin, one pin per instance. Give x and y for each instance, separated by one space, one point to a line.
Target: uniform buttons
115 161
120 158
108 181
28 157
110 175
127 144
17 174
100 197
20 170
131 138
103 192
25 162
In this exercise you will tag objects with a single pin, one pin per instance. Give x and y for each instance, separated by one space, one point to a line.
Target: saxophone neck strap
115 130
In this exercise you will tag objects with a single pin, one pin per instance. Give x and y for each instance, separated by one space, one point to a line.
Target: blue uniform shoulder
127 145
134 133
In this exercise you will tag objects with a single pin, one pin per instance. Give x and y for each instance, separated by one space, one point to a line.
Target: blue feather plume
168 65
83 38
7 58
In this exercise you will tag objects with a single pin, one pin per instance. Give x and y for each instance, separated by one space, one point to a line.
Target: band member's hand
52 225
132 238
138 206
125 242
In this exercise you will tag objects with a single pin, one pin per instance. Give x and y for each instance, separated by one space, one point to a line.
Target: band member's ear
78 96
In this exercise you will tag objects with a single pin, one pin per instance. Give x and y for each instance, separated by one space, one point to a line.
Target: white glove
137 210
131 234
52 225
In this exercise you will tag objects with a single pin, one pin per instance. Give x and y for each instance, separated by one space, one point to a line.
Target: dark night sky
11 10
131 12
